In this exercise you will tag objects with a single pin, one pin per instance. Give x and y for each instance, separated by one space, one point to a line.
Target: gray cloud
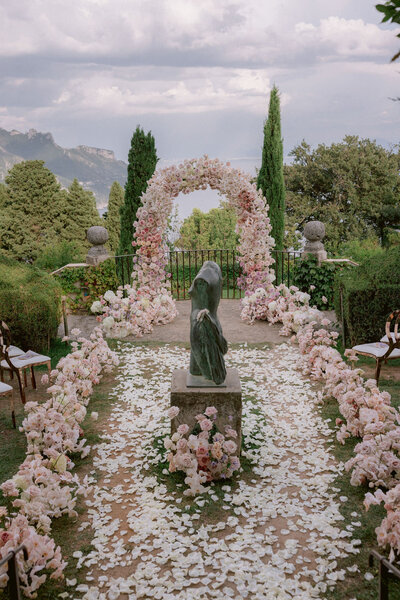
196 73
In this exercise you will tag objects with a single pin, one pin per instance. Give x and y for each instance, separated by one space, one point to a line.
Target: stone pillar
192 401
314 232
97 236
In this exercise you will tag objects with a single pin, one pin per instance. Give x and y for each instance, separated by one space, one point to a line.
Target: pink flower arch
253 225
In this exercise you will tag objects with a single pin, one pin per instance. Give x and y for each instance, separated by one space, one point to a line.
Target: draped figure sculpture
208 345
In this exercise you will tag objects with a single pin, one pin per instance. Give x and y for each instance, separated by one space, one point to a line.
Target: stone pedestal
314 232
192 401
97 236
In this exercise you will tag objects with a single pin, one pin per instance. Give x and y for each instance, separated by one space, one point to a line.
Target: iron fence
183 266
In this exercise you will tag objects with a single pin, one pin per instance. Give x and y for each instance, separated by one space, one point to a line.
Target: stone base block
192 401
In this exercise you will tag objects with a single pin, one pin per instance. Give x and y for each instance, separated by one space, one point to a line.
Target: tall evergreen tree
113 218
142 160
80 214
32 210
270 177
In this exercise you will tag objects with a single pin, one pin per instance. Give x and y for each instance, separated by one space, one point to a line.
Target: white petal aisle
273 532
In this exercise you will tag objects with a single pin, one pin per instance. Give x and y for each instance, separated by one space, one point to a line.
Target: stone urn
97 236
314 232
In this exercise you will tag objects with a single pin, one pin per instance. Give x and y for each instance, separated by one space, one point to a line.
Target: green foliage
58 255
29 304
353 187
31 211
391 13
142 160
212 230
84 285
113 218
370 293
307 273
361 250
270 177
35 214
80 214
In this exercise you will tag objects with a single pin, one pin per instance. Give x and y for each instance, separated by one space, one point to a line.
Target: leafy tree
113 218
352 186
32 210
80 214
391 12
270 177
142 160
215 229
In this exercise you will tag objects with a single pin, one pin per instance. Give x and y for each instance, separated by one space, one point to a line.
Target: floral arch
253 225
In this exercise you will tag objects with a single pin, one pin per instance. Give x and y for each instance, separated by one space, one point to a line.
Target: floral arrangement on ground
367 414
44 487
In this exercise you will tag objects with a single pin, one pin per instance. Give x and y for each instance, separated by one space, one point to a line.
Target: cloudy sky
197 73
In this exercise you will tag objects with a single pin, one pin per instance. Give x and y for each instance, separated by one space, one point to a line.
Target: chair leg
378 370
33 380
21 387
25 378
13 411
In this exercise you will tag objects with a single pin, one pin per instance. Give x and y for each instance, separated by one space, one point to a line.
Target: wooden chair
19 363
388 348
7 390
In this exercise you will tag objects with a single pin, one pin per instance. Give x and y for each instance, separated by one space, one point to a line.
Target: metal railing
183 266
13 578
387 573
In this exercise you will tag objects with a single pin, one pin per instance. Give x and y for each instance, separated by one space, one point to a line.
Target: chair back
392 330
5 342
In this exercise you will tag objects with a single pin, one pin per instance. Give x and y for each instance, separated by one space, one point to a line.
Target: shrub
369 295
29 304
58 255
83 285
361 250
308 275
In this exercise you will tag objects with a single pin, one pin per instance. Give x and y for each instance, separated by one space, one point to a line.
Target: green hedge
30 302
366 306
95 280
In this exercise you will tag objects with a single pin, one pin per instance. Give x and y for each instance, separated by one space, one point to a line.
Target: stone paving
235 330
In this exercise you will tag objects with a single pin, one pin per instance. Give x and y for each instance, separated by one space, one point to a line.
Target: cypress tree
80 214
270 177
113 219
32 210
142 160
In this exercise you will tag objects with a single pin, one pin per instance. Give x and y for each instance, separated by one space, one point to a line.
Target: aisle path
235 330
275 533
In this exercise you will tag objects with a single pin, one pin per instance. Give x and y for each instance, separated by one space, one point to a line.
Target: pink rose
173 412
183 429
210 411
206 425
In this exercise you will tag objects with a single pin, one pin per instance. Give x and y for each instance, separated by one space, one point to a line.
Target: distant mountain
96 169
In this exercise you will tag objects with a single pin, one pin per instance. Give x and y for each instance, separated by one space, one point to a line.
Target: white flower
97 307
109 296
108 323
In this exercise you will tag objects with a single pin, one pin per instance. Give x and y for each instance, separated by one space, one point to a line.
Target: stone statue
208 345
